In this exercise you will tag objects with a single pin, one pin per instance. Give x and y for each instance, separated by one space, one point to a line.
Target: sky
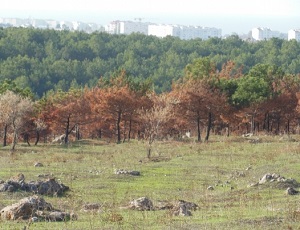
232 16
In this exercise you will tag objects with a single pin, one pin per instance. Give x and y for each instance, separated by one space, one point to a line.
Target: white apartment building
262 33
127 27
184 32
294 34
163 30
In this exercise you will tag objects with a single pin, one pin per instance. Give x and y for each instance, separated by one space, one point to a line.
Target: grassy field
176 171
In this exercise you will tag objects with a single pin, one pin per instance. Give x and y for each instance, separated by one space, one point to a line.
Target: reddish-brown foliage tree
67 111
115 106
200 103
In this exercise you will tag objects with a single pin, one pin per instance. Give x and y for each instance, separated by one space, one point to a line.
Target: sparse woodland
196 91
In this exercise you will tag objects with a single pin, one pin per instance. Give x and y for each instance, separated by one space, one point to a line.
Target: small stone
135 173
210 188
38 164
291 191
248 168
91 207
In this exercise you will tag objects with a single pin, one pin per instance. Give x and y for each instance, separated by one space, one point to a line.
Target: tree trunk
37 137
67 130
130 129
208 126
267 122
14 142
252 128
118 127
228 131
26 138
124 133
5 136
77 133
198 128
278 125
149 152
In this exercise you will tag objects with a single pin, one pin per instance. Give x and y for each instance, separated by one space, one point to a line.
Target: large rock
47 187
183 208
51 187
278 180
34 208
142 204
25 208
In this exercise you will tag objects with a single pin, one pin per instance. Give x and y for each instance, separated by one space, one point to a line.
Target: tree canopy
44 60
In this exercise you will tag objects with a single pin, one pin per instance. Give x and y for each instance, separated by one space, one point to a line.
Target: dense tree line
45 60
203 101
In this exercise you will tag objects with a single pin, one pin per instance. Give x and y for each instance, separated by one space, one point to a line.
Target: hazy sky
230 15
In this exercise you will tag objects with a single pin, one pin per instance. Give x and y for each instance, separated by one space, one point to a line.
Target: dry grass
177 171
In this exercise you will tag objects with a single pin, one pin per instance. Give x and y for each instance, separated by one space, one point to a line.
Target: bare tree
155 118
13 110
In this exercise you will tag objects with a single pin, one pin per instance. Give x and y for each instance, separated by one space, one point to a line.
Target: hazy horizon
230 16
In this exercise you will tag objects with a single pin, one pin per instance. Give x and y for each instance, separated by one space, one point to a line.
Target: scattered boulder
91 207
60 216
37 203
34 208
275 180
179 208
210 188
164 205
51 187
128 172
18 178
291 191
266 178
190 205
38 164
5 187
24 209
183 208
141 204
47 187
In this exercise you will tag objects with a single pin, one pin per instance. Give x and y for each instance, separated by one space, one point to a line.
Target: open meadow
216 176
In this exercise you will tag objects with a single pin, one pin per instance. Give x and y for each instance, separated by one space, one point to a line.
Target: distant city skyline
230 16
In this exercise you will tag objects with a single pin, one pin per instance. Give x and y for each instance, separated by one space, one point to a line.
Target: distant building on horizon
50 24
127 27
294 34
184 32
263 33
162 30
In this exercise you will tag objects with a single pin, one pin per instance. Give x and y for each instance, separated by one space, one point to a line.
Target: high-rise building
184 32
294 34
127 27
262 33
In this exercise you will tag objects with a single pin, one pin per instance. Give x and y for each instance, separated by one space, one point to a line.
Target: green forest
46 60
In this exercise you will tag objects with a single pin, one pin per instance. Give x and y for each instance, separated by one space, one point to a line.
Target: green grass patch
177 170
